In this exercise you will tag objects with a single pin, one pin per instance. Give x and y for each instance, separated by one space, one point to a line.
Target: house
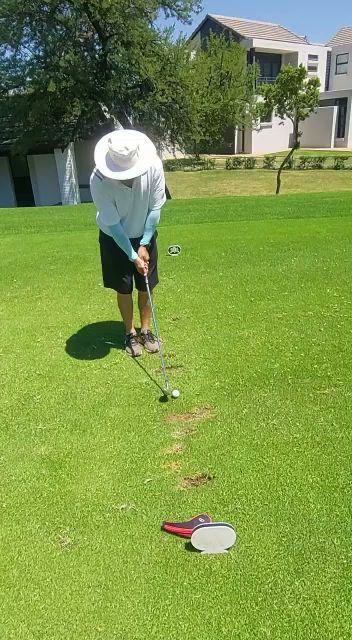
49 176
331 126
270 46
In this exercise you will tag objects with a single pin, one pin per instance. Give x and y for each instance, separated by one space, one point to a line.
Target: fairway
246 182
255 316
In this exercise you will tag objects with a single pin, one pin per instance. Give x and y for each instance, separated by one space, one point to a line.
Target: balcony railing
266 80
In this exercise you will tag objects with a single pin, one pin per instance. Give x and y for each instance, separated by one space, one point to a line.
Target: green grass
254 182
319 152
256 313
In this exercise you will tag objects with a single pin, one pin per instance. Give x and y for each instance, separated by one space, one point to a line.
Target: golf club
167 390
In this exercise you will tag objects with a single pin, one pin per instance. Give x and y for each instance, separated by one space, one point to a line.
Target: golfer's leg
147 339
144 310
125 304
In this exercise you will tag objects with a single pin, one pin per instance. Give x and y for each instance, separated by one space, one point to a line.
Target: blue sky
319 20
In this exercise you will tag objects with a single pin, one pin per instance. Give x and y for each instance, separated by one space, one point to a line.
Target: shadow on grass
95 341
164 397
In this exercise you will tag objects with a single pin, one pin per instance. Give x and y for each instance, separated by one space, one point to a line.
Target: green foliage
237 162
189 164
269 162
250 163
290 164
293 96
311 162
69 66
340 163
220 93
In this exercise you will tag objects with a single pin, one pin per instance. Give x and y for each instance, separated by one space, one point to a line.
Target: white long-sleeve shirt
129 206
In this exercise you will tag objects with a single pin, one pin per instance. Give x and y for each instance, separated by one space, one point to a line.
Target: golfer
128 189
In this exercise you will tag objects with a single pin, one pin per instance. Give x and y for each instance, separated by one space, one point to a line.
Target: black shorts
119 271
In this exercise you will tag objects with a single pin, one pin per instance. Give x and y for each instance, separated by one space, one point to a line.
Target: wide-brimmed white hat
124 154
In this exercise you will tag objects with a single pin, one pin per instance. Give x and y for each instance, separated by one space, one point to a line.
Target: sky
319 20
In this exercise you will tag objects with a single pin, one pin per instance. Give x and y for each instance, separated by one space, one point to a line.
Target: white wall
340 82
322 52
170 154
319 129
45 183
7 194
269 138
290 58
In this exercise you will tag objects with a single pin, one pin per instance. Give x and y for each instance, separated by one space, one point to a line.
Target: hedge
189 164
301 163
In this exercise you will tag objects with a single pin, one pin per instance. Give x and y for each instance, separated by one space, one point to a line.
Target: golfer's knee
123 296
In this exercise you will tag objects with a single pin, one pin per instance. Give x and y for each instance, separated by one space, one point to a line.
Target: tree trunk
295 146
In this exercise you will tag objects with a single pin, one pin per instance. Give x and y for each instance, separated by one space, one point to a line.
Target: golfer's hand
143 253
141 266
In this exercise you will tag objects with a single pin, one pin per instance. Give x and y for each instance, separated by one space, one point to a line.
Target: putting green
255 316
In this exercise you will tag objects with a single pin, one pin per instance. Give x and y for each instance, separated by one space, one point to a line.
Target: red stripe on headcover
184 533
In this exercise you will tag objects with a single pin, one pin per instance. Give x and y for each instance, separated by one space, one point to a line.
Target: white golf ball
175 393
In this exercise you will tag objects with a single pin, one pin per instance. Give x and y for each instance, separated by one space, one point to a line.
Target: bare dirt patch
64 541
173 466
184 432
196 415
174 449
197 480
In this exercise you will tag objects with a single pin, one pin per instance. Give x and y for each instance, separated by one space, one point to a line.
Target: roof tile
344 36
257 29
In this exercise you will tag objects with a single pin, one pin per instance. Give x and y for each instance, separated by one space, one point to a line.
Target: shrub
290 164
237 162
311 162
189 164
250 163
302 162
269 162
318 162
340 162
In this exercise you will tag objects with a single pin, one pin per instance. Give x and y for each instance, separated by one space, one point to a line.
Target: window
270 65
341 117
313 61
342 60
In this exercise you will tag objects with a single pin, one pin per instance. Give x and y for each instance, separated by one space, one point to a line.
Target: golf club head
171 393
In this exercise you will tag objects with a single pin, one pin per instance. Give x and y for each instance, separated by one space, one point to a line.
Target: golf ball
175 393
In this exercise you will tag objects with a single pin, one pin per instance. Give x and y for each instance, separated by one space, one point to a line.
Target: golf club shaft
167 385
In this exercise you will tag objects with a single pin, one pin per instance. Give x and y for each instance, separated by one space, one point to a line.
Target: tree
220 90
68 66
295 97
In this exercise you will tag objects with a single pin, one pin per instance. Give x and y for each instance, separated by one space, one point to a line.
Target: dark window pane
341 117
